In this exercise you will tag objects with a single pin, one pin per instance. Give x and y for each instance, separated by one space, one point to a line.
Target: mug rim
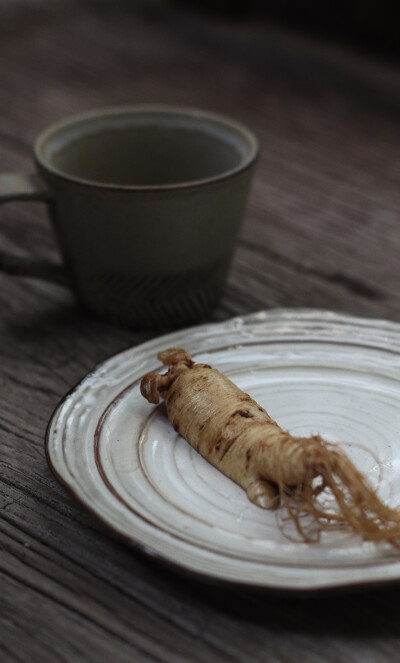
190 112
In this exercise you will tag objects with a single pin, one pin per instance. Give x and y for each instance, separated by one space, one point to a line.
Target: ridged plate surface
314 372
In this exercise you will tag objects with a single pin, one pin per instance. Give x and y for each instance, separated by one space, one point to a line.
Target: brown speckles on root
218 444
205 422
172 395
242 413
228 446
248 458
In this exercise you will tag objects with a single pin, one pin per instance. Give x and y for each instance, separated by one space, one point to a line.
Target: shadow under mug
146 203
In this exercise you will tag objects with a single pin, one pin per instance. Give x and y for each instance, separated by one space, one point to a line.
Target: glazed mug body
147 203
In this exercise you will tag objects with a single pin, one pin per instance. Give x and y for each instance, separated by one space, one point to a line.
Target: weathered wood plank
321 230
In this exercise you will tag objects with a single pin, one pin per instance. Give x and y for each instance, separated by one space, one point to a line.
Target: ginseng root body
230 430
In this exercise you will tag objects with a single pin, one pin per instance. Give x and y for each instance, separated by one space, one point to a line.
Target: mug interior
146 147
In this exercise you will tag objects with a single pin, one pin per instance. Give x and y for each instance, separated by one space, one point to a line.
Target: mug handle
28 187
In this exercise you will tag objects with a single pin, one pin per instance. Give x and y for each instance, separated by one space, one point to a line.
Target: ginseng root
230 430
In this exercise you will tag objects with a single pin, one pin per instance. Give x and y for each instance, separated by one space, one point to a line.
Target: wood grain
322 230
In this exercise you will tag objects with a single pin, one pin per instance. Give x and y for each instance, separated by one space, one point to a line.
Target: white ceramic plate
314 371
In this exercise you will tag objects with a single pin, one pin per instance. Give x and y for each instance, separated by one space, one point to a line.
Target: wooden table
321 231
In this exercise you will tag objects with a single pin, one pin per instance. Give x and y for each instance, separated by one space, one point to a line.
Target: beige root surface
235 434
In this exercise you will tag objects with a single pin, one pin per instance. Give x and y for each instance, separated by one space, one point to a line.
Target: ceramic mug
146 203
